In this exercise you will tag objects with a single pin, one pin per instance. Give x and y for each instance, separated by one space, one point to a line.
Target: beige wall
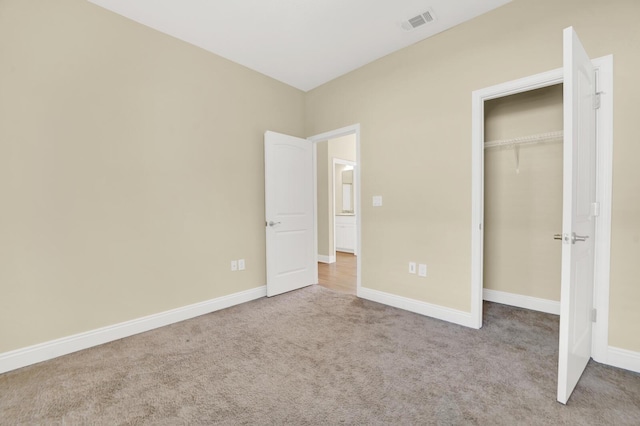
343 148
414 108
131 170
325 201
132 164
523 206
524 114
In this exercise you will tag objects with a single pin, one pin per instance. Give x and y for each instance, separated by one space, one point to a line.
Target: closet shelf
527 140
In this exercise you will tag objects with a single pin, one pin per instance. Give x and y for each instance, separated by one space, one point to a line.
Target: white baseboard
44 351
622 358
417 306
326 259
345 250
527 302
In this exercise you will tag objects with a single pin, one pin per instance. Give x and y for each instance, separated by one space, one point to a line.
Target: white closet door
578 225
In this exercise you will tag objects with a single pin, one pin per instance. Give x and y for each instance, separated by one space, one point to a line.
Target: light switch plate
234 265
412 267
377 200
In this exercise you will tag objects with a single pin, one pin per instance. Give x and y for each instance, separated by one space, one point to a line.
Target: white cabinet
346 233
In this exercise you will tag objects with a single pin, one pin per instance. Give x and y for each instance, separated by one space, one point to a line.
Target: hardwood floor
339 276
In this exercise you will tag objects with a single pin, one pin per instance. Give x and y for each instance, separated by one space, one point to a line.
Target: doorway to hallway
337 192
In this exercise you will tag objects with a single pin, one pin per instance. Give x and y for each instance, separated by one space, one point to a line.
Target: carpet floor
315 356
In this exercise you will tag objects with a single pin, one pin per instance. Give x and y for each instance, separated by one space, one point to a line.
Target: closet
523 195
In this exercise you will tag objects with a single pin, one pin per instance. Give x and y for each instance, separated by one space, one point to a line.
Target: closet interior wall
523 195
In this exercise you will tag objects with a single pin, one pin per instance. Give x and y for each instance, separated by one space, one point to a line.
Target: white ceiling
303 43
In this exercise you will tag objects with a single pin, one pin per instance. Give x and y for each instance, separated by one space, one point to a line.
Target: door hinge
595 209
596 100
594 315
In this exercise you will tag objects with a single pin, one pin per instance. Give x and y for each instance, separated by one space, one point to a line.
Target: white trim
326 259
604 67
333 134
418 307
315 208
48 350
521 301
623 358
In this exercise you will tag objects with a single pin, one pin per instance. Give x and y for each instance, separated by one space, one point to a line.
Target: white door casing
578 221
333 134
289 213
604 147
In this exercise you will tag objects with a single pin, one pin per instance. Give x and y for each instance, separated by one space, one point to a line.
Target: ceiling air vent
418 21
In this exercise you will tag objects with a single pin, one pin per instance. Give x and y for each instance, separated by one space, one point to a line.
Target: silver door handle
575 238
272 223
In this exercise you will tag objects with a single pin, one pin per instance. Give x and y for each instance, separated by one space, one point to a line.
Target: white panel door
289 209
578 222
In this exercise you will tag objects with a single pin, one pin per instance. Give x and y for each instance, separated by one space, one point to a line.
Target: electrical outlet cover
241 264
422 270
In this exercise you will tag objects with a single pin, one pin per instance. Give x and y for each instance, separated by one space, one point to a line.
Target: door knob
575 238
272 223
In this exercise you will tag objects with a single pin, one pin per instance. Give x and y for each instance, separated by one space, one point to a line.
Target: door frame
333 134
333 189
604 169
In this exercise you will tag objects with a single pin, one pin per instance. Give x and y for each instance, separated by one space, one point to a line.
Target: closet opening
523 172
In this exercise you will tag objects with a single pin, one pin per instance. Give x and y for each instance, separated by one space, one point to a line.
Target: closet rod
527 140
